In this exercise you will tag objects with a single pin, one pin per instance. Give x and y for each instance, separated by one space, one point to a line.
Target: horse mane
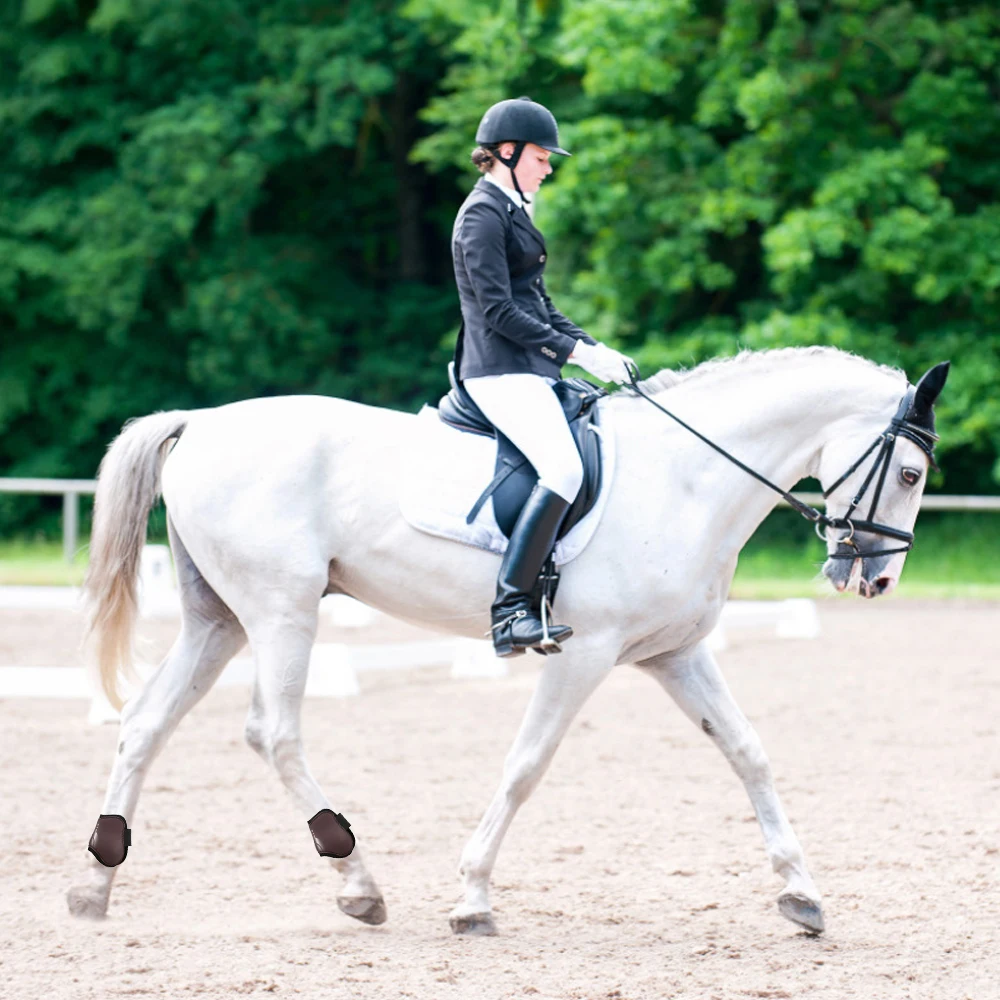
754 362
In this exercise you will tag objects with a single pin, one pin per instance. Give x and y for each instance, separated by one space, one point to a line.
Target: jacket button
541 260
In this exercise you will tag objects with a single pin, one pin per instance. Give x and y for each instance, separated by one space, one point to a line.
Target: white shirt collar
510 192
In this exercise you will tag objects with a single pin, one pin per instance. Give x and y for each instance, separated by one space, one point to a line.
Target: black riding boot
515 625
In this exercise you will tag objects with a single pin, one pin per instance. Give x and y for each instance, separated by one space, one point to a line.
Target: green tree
758 174
204 201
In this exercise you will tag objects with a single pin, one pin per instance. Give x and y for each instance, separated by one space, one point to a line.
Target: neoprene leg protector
331 834
110 841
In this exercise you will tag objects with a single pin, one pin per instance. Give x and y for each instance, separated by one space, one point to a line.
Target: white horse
273 503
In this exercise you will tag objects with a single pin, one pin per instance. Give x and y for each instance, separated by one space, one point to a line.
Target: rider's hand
601 361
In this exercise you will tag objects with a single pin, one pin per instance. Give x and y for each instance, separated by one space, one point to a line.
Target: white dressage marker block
799 621
158 596
475 658
40 597
331 672
716 639
101 710
346 612
48 682
795 618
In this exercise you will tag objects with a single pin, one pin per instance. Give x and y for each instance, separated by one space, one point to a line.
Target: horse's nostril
882 584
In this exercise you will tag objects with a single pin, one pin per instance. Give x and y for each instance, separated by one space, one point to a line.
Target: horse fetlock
787 861
473 870
253 734
750 761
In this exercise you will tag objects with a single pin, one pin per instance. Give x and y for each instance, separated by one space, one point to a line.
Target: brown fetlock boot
331 834
110 841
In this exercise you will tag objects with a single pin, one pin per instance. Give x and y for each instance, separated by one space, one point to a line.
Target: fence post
71 521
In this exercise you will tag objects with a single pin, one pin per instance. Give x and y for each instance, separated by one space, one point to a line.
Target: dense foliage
202 200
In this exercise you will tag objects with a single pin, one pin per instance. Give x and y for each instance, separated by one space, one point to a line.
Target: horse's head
874 504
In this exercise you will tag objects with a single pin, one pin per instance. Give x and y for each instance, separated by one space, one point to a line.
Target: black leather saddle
515 476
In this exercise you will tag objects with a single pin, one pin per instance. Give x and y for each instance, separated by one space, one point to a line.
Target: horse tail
128 484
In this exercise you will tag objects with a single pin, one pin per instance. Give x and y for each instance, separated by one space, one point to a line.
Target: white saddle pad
445 470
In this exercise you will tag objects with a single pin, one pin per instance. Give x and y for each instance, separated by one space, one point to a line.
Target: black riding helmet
520 121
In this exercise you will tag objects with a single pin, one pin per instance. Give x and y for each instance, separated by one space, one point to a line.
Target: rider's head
516 138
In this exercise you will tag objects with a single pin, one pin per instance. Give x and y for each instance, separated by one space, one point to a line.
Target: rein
899 426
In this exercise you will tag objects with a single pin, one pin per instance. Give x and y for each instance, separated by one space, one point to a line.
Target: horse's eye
909 477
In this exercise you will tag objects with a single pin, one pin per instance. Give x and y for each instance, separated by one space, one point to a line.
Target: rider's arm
482 240
559 321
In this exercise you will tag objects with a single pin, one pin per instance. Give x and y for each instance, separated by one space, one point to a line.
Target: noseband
898 427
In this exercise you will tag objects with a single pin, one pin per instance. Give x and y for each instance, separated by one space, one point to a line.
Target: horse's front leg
566 681
694 681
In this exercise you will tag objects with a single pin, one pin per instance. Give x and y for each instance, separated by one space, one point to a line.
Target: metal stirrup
547 641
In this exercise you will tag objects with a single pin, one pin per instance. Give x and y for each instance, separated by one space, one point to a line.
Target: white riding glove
601 361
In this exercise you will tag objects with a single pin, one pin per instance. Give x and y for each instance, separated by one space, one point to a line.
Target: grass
28 564
956 555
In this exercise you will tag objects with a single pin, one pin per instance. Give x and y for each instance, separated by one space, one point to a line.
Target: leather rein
898 427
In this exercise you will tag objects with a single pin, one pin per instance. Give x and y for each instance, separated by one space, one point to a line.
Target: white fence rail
72 489
932 501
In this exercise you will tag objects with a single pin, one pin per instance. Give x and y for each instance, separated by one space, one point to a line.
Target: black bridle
899 426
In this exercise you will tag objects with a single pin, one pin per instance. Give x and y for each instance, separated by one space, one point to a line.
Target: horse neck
775 421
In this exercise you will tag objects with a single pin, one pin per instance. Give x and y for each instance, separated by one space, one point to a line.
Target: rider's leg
526 409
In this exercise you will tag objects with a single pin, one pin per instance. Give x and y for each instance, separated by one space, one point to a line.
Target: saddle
515 476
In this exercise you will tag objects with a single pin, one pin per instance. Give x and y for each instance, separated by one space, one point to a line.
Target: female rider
512 345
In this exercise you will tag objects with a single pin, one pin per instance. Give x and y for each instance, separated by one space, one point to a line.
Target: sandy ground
635 871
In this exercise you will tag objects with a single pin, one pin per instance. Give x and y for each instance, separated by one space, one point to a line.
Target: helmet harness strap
511 162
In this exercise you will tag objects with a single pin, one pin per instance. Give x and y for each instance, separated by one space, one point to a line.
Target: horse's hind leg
210 635
281 646
694 681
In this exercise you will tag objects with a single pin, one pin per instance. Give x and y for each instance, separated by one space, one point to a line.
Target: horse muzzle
865 576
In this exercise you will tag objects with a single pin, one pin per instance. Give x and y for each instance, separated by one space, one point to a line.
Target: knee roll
110 841
331 834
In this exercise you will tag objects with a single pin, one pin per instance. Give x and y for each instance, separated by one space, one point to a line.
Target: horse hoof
83 902
802 911
473 923
367 909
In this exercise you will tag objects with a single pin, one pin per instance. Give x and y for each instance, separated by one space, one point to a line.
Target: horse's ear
928 389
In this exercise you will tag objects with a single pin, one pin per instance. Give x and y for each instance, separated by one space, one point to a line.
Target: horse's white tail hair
128 484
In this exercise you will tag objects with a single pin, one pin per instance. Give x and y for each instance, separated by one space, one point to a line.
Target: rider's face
532 168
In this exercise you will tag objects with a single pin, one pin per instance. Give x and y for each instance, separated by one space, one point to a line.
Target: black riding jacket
509 323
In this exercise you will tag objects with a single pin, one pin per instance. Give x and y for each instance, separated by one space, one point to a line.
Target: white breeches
525 408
